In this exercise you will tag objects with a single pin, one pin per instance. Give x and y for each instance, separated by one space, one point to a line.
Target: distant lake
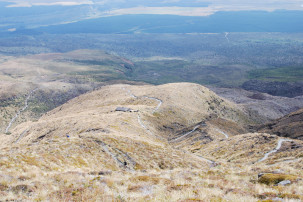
240 21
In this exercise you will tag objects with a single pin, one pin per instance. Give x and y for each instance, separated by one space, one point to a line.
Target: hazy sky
260 3
176 7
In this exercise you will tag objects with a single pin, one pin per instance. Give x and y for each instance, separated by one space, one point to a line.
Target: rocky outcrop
288 126
285 89
261 107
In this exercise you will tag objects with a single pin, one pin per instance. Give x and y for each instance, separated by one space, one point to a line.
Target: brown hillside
288 126
174 142
163 110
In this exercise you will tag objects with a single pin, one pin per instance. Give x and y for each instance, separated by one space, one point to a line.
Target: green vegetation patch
169 71
286 74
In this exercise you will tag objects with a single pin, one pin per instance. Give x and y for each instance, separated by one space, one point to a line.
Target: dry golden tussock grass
86 151
218 183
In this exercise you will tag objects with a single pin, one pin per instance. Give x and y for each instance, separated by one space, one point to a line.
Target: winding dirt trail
223 133
126 165
186 134
140 121
21 136
129 92
158 100
21 110
142 125
151 98
212 163
274 150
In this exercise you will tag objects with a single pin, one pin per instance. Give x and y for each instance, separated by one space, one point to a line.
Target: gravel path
186 134
21 110
140 121
274 150
158 100
223 133
212 163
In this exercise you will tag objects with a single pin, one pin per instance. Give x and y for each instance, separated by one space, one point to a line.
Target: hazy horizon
17 14
167 5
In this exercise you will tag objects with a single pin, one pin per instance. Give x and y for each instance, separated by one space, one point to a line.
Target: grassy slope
58 77
64 76
44 164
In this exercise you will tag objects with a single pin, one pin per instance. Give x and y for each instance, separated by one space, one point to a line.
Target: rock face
123 109
262 107
285 89
284 182
276 179
288 126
